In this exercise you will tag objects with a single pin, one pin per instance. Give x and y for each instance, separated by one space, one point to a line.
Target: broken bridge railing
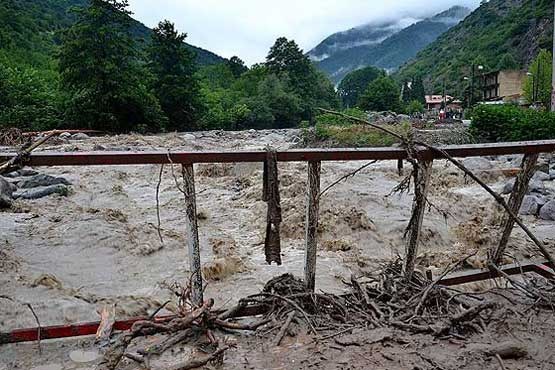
314 158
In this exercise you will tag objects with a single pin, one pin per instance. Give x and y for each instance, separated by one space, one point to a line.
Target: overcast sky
248 28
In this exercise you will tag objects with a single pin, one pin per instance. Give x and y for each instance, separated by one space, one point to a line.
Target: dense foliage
537 86
345 132
100 70
382 94
175 85
413 90
95 67
496 123
277 94
355 83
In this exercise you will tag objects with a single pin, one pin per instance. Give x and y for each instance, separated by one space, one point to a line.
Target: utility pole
472 85
553 80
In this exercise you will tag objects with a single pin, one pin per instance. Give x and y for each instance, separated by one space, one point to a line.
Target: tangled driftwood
285 306
12 137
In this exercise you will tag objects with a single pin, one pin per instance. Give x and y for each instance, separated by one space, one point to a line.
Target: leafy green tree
237 66
381 95
176 86
99 69
355 83
537 86
27 100
216 76
417 91
289 63
507 61
415 107
286 58
224 110
286 108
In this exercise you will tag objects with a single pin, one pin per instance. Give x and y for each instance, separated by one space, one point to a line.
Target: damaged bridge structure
421 157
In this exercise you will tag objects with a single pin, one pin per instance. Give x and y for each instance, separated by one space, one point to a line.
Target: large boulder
21 173
537 187
534 187
543 166
541 176
508 188
547 212
42 180
530 206
42 192
6 193
478 164
80 136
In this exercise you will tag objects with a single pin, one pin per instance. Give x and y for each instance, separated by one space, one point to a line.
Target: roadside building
504 86
436 102
447 105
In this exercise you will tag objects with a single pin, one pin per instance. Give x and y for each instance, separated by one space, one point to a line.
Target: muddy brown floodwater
69 256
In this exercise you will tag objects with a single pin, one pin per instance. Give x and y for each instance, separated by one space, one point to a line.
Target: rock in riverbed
547 212
541 176
41 192
530 206
80 136
21 173
6 191
536 187
42 180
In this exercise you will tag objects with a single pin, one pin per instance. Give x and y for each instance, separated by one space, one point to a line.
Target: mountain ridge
392 51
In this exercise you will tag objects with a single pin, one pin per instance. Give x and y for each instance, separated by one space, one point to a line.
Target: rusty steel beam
85 329
65 331
304 155
90 328
473 276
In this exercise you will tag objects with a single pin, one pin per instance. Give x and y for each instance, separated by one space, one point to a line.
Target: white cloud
248 28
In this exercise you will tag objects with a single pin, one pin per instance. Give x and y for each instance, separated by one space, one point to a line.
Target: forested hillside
29 31
86 64
498 30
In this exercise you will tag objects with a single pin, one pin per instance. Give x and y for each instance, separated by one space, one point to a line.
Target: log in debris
20 159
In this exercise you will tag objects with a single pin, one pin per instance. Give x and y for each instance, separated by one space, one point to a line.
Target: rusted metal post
421 187
191 225
520 188
312 208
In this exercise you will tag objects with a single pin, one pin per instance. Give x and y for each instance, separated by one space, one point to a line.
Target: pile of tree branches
285 307
12 137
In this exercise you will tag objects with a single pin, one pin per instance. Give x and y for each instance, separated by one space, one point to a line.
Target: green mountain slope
395 49
29 31
499 27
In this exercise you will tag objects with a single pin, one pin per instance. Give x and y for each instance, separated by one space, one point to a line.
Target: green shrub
496 123
29 100
335 120
344 132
